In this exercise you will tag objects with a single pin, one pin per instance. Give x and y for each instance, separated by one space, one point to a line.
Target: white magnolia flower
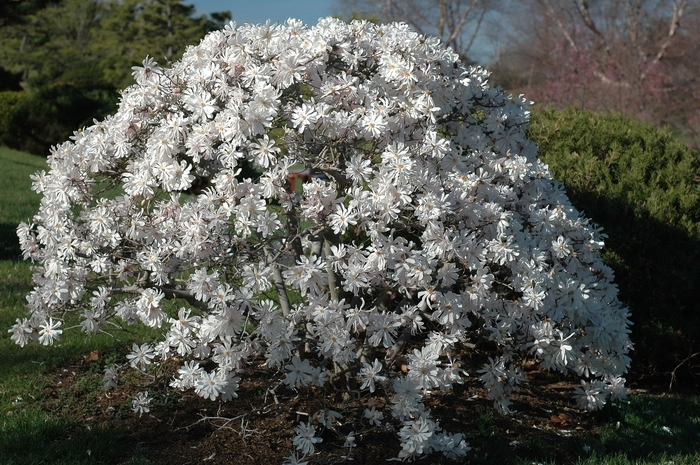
141 403
304 440
590 396
49 332
374 416
140 356
304 117
370 375
110 378
211 385
342 218
300 372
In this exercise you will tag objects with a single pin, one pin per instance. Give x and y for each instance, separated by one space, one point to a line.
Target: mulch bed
257 427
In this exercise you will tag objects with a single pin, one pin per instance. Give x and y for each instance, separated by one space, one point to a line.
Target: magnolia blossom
370 375
110 378
141 357
374 416
49 332
141 403
316 198
305 439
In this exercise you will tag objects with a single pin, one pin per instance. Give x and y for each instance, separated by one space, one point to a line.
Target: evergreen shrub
49 115
10 101
640 183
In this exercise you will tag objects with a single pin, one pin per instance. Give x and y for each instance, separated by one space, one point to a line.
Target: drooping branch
479 22
186 296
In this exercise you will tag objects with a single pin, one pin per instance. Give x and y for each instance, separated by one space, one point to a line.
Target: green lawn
28 433
646 430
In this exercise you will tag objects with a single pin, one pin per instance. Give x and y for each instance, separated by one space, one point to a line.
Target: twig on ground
673 373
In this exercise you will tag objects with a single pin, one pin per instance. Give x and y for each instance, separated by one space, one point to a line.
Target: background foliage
69 59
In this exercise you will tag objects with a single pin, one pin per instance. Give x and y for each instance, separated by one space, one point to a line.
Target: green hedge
642 185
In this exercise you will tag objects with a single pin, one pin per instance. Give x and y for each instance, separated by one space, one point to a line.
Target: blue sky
258 11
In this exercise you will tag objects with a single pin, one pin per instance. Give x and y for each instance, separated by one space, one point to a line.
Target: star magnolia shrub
423 222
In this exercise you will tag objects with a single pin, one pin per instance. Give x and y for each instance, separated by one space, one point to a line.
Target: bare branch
673 373
678 12
554 17
634 23
184 295
279 285
585 14
476 31
457 29
453 22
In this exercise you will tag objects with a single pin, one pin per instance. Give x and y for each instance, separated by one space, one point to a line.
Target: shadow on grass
34 437
649 427
645 430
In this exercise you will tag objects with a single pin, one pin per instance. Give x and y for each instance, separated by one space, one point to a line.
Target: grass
28 433
18 202
645 430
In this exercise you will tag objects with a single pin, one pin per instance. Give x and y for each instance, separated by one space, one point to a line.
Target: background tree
39 37
133 29
633 56
457 23
52 48
71 57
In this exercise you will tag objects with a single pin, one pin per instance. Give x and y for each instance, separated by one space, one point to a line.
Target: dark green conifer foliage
642 185
71 57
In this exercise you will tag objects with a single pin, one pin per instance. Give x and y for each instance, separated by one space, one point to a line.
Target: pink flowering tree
424 223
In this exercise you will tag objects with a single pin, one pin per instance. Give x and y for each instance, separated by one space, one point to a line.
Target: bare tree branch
476 31
678 12
457 29
582 6
454 22
634 24
634 56
554 17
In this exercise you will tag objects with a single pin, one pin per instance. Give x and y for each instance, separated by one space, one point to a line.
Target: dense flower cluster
423 221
